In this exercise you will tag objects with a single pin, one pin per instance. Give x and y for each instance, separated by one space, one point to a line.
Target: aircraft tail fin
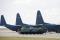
18 20
3 22
39 19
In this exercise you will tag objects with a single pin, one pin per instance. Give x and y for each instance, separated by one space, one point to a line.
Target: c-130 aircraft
40 27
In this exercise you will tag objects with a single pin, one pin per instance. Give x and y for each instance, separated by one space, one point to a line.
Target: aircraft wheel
18 30
57 31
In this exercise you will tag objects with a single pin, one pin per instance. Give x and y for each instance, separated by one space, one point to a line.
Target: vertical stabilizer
18 20
39 19
3 22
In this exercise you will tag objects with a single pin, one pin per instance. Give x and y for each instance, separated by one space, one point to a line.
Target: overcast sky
50 10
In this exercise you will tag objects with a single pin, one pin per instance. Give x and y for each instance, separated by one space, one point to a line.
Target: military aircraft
50 27
40 27
11 27
25 28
